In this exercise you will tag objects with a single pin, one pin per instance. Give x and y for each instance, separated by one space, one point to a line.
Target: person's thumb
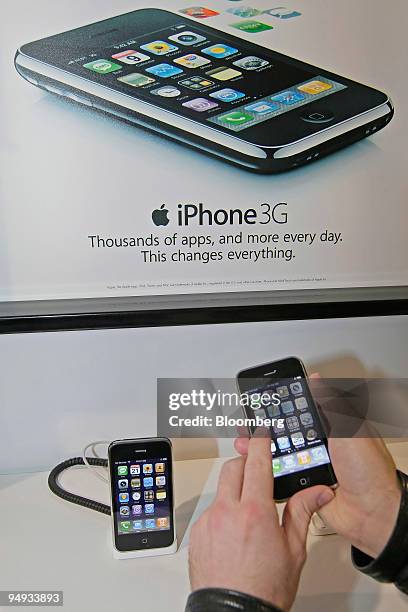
299 511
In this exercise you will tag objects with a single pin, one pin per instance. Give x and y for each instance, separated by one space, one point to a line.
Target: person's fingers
299 511
230 480
243 432
241 445
316 386
258 474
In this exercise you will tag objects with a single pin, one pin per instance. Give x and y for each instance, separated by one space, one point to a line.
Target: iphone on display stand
142 498
300 454
211 90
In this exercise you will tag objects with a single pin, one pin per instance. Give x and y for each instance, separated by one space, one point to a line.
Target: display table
46 543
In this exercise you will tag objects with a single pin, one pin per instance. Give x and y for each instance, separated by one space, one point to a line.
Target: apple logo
159 216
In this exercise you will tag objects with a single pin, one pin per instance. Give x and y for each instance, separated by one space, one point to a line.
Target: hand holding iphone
299 448
208 89
142 500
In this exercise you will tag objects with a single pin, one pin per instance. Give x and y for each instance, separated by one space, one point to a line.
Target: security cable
73 498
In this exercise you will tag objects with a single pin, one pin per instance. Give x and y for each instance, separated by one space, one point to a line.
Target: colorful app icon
136 509
301 403
283 443
123 484
289 462
262 108
279 427
306 419
224 73
136 496
311 435
283 13
199 12
282 391
148 468
148 482
123 498
252 27
315 87
303 458
245 11
122 470
276 465
192 60
135 470
160 481
125 526
137 525
102 66
292 423
219 51
228 95
131 57
149 508
149 495
159 47
135 483
136 80
200 105
150 524
160 468
251 63
124 511
319 453
236 118
187 38
297 439
273 411
167 91
161 495
287 407
196 83
296 388
164 71
162 523
289 97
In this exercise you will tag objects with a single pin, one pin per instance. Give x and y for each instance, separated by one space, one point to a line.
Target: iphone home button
317 116
304 482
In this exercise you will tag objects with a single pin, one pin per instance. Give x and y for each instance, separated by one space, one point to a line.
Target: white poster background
68 172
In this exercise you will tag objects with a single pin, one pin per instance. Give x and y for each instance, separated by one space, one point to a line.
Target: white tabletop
46 543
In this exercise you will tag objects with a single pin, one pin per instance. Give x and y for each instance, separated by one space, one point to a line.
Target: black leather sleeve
392 563
222 600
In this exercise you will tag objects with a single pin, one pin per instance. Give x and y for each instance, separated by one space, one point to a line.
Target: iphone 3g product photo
213 91
142 500
300 454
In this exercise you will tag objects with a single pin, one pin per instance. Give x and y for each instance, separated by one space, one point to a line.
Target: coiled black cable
72 497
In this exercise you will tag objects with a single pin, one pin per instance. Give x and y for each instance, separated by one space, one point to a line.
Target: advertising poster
182 150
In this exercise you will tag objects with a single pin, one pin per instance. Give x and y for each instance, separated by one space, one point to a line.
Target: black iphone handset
142 501
211 90
299 446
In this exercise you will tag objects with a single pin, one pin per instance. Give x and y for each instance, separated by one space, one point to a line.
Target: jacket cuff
392 564
223 600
